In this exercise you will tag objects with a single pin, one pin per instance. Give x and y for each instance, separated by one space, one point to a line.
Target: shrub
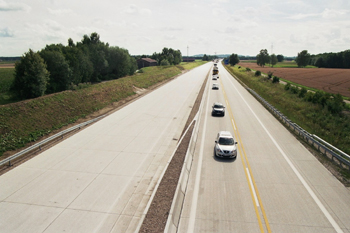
287 87
302 92
258 73
294 90
269 74
309 96
248 69
275 79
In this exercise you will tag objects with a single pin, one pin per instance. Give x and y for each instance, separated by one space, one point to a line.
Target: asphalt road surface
274 185
101 179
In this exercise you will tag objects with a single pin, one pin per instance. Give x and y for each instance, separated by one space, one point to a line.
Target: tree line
57 67
331 60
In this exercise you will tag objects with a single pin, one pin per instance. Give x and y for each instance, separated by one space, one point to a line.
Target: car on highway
215 86
225 145
214 77
218 109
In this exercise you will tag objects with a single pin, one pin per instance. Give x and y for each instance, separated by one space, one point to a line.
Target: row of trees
57 67
168 56
331 60
304 58
263 58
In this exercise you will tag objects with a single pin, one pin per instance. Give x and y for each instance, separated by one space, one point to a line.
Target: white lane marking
251 185
233 123
192 218
307 187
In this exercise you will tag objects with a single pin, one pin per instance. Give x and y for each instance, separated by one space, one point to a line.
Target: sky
192 26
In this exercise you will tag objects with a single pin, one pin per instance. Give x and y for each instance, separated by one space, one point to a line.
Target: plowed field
329 80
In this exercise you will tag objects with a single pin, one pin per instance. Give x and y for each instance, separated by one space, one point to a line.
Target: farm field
330 80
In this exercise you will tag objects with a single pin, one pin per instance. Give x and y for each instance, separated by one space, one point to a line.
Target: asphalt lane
101 179
274 185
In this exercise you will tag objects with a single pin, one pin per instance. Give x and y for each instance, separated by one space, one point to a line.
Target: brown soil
330 80
7 65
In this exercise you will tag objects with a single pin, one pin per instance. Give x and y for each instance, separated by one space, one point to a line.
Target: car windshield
226 141
218 106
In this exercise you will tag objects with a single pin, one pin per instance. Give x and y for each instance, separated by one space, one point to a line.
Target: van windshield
226 141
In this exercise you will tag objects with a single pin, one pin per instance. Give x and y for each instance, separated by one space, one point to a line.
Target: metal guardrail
43 142
333 153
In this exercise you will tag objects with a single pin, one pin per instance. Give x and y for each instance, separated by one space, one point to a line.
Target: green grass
314 118
284 64
191 65
27 121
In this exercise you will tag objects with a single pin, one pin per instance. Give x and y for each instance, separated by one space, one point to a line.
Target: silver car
225 145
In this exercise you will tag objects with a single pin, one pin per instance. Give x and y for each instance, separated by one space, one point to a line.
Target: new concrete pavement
274 185
101 179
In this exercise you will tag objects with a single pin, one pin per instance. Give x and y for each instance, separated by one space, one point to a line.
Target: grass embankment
334 128
26 121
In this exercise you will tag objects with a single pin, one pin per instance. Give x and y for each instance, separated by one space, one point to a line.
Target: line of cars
225 144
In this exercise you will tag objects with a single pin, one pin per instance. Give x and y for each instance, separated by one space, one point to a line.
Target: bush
302 92
258 73
248 69
270 74
275 79
287 87
294 90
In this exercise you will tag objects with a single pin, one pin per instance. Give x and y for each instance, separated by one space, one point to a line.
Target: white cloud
13 6
331 13
59 12
5 32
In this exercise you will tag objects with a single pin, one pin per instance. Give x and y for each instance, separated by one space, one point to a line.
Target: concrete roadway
101 179
274 185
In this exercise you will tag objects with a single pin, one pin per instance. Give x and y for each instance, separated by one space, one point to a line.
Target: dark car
215 86
218 109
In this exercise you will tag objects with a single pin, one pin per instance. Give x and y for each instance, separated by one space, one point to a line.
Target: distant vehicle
225 145
215 70
218 109
215 86
214 77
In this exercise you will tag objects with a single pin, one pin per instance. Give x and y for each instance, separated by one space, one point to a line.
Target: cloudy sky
206 26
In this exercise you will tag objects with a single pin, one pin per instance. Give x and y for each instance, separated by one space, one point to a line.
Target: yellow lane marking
248 172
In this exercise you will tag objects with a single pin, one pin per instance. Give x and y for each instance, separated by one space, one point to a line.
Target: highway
101 179
274 185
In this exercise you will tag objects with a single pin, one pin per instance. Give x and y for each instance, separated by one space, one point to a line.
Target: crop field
330 80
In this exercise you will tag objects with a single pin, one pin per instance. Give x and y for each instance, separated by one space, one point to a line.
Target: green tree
280 58
262 58
60 72
205 58
31 76
164 62
120 62
273 59
233 59
303 58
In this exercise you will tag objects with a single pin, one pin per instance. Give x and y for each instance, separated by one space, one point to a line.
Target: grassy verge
27 121
334 128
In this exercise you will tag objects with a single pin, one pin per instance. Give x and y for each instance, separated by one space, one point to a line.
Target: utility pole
187 54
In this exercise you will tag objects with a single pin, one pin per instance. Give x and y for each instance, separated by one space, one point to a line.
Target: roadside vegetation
319 113
6 80
27 121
